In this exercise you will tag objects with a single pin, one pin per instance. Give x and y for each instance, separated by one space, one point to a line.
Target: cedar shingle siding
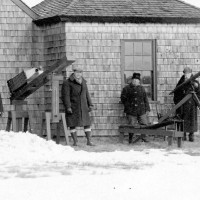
97 47
91 32
17 52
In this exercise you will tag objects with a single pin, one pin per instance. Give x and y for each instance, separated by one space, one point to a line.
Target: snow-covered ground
32 168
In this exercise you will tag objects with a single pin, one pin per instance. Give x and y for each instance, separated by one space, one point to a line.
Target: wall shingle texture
97 48
16 53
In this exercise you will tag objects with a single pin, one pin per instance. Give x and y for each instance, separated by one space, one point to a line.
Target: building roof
25 8
116 9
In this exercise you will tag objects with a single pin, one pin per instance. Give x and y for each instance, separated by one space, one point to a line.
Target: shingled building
111 39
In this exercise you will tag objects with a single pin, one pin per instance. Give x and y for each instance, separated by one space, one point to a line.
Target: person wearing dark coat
78 104
136 105
188 111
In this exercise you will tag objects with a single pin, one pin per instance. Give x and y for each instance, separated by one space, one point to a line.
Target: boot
184 137
74 137
191 137
88 136
130 138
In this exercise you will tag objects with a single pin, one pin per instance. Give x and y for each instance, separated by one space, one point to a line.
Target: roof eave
117 19
48 21
26 9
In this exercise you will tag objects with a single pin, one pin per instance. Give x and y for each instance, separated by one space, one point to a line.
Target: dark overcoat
188 111
135 100
76 96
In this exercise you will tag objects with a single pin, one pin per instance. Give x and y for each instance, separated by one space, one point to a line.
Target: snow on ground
32 168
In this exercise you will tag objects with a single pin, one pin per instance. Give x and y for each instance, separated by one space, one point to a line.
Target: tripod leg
196 99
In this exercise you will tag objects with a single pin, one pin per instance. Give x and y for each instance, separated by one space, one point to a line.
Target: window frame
154 63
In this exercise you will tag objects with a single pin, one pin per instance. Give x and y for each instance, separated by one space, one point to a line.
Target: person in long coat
136 105
188 111
78 104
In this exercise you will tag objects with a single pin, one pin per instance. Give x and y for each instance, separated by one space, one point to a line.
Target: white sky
32 3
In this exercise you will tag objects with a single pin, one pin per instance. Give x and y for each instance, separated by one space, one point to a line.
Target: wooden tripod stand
18 116
55 116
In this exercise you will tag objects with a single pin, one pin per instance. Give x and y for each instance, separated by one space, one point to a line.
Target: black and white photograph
99 99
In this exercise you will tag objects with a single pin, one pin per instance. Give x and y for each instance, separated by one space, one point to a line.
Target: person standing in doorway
78 104
136 105
188 111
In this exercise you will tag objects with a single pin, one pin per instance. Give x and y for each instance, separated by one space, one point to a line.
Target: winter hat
77 68
187 70
136 76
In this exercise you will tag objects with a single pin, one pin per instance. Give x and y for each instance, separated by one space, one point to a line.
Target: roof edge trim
48 21
26 9
108 19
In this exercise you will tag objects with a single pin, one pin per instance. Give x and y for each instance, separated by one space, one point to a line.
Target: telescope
192 94
192 78
25 84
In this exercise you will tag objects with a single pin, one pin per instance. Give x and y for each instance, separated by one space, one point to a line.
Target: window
139 56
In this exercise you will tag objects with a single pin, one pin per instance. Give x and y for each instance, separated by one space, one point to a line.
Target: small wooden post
17 116
55 97
178 133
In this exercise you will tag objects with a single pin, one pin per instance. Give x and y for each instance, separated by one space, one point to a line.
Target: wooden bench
152 132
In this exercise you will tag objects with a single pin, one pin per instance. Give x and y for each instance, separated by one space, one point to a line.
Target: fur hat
136 76
187 70
77 68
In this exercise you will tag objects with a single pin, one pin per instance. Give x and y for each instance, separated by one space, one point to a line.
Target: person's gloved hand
69 111
90 108
195 84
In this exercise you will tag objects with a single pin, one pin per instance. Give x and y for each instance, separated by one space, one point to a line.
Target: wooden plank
179 142
186 98
48 127
9 124
19 102
55 100
65 128
178 134
26 124
14 121
22 114
155 132
153 126
18 114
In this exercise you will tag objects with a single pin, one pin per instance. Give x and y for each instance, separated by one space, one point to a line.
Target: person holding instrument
188 111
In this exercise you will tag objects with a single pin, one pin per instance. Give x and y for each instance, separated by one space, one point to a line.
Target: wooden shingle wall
54 49
97 48
16 43
38 101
